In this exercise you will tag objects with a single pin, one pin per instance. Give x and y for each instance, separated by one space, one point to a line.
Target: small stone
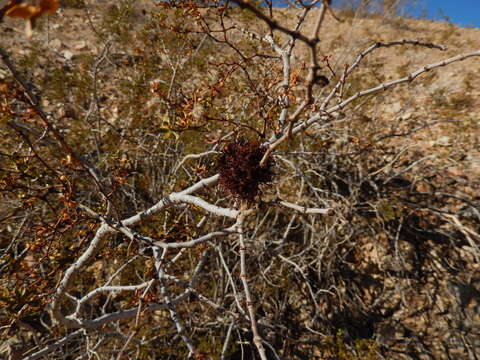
80 45
454 171
442 141
396 107
56 44
406 116
67 54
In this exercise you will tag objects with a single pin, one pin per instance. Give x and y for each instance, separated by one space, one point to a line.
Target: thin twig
257 339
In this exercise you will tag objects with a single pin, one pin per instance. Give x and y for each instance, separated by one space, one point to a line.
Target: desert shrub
199 182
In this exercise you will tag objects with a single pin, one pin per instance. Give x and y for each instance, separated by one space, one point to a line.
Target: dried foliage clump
240 171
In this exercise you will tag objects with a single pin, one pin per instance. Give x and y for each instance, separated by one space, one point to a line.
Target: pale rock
67 54
455 171
82 44
56 44
396 107
406 116
442 141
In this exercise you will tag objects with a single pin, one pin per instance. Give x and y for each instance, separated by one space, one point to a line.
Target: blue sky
459 12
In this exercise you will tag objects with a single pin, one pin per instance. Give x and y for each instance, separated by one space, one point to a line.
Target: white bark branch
367 51
303 209
171 307
384 86
257 339
110 226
